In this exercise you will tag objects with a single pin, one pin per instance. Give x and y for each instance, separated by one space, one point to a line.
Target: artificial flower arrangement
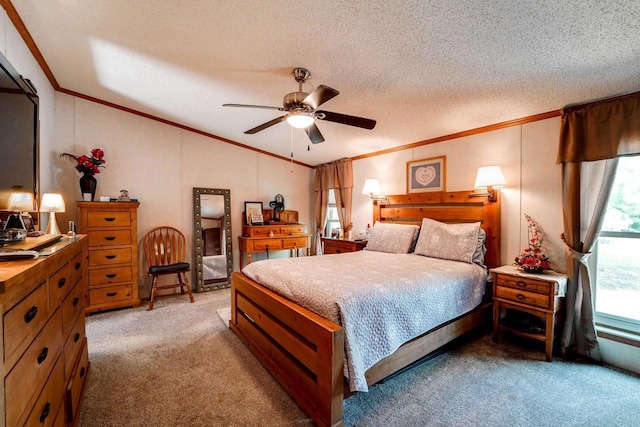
532 260
88 165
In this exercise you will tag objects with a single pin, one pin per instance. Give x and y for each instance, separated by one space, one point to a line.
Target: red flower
88 164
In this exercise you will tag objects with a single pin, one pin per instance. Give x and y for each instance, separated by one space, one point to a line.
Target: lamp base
52 226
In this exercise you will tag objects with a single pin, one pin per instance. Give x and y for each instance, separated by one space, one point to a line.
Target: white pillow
456 242
392 238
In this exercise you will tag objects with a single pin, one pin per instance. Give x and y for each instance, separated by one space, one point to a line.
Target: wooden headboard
448 207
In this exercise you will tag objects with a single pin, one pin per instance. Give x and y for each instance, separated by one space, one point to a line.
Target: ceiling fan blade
345 119
266 125
254 106
319 96
314 134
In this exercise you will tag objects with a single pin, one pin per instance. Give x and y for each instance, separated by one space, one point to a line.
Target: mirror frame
198 240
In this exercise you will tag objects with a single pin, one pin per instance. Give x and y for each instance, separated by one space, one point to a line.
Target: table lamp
20 202
52 203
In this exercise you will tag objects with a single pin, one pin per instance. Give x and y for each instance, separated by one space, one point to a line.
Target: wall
160 164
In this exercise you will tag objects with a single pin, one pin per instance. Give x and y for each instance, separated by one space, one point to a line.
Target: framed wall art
252 210
426 175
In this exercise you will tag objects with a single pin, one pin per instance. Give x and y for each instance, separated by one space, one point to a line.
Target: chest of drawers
113 254
45 353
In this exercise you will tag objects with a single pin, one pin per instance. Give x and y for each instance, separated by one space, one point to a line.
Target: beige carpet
180 365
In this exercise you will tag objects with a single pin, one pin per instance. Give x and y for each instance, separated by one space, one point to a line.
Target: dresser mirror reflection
213 255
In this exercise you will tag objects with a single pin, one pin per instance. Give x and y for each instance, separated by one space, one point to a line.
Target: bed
305 352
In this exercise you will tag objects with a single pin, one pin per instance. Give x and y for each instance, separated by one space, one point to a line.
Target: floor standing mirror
213 255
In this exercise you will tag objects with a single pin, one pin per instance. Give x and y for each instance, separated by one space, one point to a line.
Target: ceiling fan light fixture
300 120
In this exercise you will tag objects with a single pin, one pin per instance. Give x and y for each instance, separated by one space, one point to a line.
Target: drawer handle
521 284
82 371
110 219
110 256
338 251
43 355
76 300
111 276
112 294
110 238
45 412
521 297
31 314
61 282
78 265
76 337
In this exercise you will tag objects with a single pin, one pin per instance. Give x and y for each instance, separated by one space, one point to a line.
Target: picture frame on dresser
426 175
251 209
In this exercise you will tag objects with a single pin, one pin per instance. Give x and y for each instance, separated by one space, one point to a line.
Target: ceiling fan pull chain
291 171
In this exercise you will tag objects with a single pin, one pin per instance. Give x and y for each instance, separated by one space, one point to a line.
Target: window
332 226
617 253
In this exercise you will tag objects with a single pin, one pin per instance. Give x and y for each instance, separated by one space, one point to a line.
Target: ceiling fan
302 110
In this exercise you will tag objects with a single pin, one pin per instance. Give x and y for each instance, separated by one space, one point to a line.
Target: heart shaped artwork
425 175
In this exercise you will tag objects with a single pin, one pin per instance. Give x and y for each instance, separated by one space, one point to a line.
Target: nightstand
340 246
537 294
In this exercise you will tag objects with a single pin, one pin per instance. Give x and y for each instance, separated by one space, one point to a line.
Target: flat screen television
18 134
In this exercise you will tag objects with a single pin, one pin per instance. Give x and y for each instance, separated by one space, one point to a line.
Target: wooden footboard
302 350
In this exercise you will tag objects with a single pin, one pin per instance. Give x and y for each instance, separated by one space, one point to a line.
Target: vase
533 270
88 184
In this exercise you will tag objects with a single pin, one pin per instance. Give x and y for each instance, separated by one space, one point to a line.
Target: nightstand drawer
525 284
110 256
98 219
523 297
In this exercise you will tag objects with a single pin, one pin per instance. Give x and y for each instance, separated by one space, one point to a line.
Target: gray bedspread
381 300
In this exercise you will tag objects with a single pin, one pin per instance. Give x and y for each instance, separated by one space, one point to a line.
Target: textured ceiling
422 69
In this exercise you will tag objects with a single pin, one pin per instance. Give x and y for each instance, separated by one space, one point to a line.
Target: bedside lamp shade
372 188
52 203
488 178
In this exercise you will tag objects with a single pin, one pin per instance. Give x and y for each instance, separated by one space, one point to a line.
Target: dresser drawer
524 297
293 243
263 231
110 294
50 400
28 376
110 256
103 219
263 245
71 308
23 320
76 384
525 284
73 345
59 285
76 267
292 229
109 238
102 276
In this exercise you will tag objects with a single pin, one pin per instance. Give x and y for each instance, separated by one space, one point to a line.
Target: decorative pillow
456 242
392 238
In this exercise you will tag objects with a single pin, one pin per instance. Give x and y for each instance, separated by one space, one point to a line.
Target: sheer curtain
592 137
337 176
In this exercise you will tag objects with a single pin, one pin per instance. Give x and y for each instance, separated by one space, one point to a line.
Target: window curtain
336 176
592 137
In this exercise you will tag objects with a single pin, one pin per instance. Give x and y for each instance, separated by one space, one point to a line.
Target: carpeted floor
180 365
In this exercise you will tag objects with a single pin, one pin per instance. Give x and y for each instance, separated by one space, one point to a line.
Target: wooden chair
166 253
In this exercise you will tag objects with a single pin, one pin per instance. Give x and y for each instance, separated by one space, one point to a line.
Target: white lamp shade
20 201
300 120
52 202
489 176
371 186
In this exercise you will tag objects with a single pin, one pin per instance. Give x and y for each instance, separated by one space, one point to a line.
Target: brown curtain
592 136
337 176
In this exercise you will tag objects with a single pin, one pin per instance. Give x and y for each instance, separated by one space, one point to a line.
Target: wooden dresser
272 237
45 358
113 254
